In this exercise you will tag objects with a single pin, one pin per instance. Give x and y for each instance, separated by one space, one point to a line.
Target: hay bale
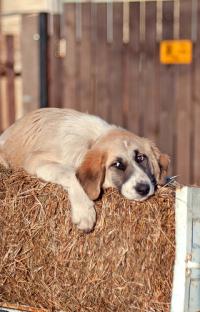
126 264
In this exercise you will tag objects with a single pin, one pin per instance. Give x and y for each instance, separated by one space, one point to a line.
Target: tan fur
164 164
91 173
161 164
76 151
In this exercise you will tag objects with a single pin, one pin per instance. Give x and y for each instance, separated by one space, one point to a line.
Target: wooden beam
10 75
55 63
30 62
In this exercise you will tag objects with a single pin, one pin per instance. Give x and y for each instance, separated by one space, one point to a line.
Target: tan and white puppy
84 154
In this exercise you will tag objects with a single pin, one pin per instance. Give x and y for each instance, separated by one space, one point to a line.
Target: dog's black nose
142 188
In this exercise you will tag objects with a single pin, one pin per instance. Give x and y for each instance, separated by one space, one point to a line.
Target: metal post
43 54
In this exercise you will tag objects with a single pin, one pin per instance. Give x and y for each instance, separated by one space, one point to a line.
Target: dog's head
124 161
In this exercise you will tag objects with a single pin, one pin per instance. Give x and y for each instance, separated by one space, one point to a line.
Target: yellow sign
176 51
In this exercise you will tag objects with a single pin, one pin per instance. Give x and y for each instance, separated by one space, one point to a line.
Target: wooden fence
7 81
103 58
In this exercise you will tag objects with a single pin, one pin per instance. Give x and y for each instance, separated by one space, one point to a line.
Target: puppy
84 154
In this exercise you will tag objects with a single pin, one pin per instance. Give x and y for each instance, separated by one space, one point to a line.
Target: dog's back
64 134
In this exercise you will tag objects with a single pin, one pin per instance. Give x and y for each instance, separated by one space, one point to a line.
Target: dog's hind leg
3 161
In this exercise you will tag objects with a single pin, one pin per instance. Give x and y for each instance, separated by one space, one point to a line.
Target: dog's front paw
84 216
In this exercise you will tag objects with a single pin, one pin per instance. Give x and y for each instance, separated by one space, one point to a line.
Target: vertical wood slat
101 65
133 113
30 62
115 68
142 68
10 77
125 85
78 40
86 84
3 87
167 89
1 111
196 106
54 62
183 102
1 106
69 64
150 109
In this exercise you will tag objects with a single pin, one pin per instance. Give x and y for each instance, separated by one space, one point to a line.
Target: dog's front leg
82 208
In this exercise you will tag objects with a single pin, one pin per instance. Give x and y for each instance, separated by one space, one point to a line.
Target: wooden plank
196 106
4 111
186 280
10 75
3 93
101 64
142 68
69 72
1 13
30 62
166 85
1 103
179 277
18 97
54 62
150 113
86 83
79 39
9 6
115 67
19 308
133 112
183 102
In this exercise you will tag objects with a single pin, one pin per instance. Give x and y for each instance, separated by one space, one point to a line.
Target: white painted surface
178 293
9 310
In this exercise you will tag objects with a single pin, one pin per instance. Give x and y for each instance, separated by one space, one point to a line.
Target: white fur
128 189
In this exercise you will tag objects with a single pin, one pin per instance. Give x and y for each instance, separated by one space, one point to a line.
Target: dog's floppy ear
160 165
91 173
164 164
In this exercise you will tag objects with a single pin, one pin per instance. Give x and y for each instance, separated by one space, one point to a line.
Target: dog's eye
140 158
119 165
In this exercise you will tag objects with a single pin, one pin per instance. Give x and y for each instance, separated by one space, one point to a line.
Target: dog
85 155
